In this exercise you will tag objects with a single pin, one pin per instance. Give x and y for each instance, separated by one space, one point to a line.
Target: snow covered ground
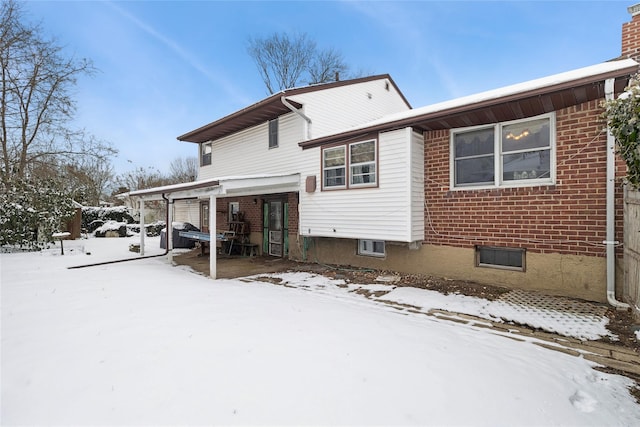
142 342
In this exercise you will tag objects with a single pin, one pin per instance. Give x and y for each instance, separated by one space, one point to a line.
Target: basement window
504 258
371 247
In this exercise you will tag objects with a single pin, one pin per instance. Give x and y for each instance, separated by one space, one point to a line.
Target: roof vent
634 10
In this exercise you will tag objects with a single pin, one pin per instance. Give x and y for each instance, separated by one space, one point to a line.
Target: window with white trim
507 154
205 154
334 167
350 166
371 247
362 163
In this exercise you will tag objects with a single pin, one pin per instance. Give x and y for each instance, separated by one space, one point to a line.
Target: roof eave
414 121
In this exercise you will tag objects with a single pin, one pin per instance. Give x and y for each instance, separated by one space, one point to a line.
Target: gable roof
513 102
268 109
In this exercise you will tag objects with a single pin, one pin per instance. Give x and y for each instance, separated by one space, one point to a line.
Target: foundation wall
576 276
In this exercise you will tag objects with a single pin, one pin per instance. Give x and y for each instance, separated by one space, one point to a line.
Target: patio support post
142 230
213 247
170 229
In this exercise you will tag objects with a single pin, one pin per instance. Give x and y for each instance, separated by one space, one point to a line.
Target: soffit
261 112
519 105
269 109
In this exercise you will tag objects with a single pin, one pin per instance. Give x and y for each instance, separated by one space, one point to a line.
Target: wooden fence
631 288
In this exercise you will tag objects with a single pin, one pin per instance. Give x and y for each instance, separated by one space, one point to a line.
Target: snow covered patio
142 342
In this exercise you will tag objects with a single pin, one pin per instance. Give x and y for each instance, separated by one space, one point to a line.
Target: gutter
295 110
610 242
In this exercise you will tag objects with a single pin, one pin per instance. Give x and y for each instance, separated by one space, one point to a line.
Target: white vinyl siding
346 106
386 212
187 211
247 152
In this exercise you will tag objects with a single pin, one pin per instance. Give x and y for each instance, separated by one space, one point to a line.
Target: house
518 186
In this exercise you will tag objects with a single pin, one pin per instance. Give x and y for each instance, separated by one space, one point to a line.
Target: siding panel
383 213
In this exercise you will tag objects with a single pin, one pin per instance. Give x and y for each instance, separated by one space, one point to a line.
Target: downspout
295 110
611 217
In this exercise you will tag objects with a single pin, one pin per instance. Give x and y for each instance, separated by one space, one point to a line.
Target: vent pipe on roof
300 113
611 210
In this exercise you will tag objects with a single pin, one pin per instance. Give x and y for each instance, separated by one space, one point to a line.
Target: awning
224 186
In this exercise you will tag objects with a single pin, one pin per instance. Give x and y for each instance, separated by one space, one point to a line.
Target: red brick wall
253 211
631 38
568 217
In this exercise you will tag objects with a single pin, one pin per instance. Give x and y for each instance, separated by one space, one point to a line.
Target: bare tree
327 65
286 61
282 59
36 98
183 169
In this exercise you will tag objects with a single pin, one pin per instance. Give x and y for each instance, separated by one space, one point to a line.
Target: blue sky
168 67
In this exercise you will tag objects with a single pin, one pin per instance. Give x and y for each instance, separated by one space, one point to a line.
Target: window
273 133
505 154
371 247
505 258
360 163
205 154
334 167
234 208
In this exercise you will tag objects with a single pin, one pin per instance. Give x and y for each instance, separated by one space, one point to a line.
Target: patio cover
212 188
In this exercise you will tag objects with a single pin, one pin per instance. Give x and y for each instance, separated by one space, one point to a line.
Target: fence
632 249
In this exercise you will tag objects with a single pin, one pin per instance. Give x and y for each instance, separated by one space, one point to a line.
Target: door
204 217
275 230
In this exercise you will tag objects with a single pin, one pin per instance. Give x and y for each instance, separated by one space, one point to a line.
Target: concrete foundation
574 276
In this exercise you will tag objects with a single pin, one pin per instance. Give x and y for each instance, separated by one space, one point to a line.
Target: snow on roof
528 86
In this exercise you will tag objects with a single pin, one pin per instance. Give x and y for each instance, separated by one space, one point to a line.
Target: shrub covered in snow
112 229
153 229
31 211
94 217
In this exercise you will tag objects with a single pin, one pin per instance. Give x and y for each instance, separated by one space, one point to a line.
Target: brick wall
567 218
631 35
253 211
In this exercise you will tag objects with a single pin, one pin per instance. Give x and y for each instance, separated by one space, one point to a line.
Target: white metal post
213 247
169 233
142 229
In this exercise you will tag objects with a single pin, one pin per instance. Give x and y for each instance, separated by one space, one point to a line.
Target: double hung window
362 161
350 166
506 154
334 167
205 154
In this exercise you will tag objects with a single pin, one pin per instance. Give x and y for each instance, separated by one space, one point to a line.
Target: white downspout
611 217
295 110
142 229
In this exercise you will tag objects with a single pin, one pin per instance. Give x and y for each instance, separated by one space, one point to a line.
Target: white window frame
203 148
273 133
373 163
234 208
367 247
343 166
348 165
498 154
